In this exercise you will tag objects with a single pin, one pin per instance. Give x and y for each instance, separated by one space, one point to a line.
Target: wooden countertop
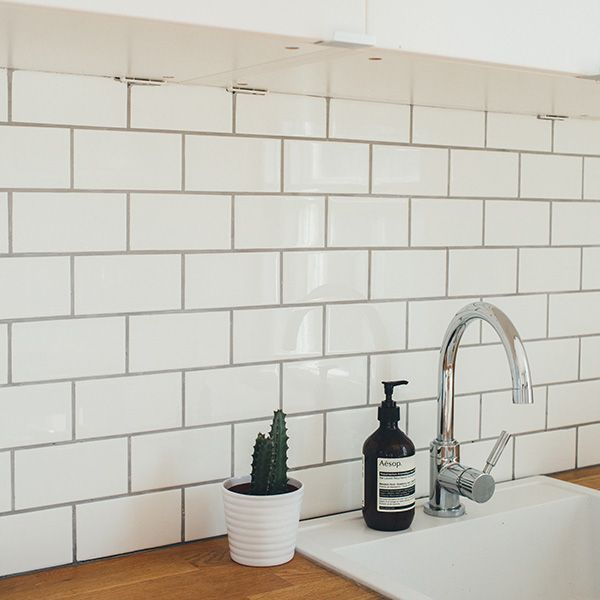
200 571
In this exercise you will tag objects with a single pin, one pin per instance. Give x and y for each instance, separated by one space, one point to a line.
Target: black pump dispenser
389 469
389 412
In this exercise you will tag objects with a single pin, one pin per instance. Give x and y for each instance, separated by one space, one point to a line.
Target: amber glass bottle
389 470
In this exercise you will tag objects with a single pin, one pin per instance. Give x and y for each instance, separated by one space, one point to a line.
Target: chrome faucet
449 479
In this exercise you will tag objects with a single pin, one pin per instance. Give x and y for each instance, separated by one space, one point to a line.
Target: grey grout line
282 167
582 178
581 256
232 219
74 532
579 360
483 217
280 383
368 391
518 268
281 276
519 174
370 171
449 172
234 113
324 336
327 117
232 458
231 338
548 315
128 106
485 129
447 282
409 223
326 222
552 133
182 492
369 274
183 399
411 114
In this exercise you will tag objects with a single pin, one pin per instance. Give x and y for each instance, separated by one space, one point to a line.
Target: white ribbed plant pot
261 529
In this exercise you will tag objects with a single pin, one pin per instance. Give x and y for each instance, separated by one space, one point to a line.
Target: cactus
269 459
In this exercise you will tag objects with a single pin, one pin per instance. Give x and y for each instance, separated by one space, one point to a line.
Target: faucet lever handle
496 452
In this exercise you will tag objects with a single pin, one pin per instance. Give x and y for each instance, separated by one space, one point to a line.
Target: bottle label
396 480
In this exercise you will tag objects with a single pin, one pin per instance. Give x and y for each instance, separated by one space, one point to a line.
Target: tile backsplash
178 262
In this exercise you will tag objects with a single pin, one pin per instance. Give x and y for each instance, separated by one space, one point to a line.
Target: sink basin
537 538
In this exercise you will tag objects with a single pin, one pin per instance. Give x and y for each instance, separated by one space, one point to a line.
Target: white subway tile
68 99
591 269
231 394
574 314
547 176
242 279
517 223
481 369
178 341
591 178
575 223
325 167
482 272
34 157
518 132
323 384
419 368
590 357
549 269
477 452
175 221
410 171
35 414
127 160
107 284
399 273
279 222
448 127
68 222
588 445
498 412
479 173
446 222
577 136
347 430
68 348
244 436
121 525
70 472
330 488
573 403
35 287
528 314
36 540
5 483
181 107
368 222
204 516
280 114
370 327
229 164
323 276
4 222
179 457
3 95
127 404
429 319
545 452
306 440
3 353
553 360
422 420
353 119
277 333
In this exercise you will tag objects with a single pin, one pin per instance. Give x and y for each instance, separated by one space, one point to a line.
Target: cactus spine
269 459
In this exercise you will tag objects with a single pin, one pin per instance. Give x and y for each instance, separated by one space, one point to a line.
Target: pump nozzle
389 411
389 386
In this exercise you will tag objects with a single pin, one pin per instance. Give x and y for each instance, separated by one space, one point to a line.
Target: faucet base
444 513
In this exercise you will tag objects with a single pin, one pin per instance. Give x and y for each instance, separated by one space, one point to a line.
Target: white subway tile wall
169 284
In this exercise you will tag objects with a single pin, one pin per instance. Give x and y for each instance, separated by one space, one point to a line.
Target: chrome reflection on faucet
449 479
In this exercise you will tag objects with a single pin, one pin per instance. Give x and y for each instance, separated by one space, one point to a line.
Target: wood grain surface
200 571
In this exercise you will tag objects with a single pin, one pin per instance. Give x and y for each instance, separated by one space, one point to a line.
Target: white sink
537 538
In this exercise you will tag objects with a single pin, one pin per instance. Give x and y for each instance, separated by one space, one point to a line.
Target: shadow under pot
261 530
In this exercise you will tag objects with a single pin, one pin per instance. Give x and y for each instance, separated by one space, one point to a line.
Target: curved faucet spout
522 392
